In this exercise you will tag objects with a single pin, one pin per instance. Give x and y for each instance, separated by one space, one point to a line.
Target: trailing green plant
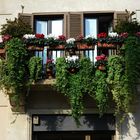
132 61
35 68
76 85
118 82
14 69
101 93
16 28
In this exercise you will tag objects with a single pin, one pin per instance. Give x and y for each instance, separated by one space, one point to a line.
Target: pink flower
138 34
6 37
49 61
124 35
101 57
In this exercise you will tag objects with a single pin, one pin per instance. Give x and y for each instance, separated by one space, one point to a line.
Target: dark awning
88 122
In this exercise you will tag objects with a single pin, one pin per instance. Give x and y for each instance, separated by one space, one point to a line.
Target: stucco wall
10 9
12 126
15 127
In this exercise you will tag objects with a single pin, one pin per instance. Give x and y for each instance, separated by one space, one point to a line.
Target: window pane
91 29
57 27
41 27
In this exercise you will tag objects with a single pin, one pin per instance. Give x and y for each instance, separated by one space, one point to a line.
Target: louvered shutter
27 18
75 24
120 16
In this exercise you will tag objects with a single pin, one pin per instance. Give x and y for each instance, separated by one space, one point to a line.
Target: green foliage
35 68
132 61
15 28
74 86
131 27
13 70
118 81
101 91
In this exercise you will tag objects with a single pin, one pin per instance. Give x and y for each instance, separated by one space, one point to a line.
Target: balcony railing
47 54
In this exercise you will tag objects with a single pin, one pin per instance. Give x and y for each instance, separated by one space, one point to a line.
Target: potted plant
61 41
50 68
101 62
72 63
85 42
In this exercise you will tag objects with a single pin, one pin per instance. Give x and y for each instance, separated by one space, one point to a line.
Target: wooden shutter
120 16
27 18
75 24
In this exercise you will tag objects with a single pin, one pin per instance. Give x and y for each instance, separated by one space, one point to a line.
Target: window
97 23
52 24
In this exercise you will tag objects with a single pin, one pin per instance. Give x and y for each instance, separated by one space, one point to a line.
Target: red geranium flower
79 38
102 35
6 37
39 35
62 37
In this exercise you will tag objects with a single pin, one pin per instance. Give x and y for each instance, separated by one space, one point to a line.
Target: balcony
112 77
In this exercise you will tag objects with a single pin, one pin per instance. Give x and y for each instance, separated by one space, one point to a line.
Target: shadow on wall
130 129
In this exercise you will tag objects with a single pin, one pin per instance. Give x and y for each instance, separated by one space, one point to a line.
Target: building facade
47 112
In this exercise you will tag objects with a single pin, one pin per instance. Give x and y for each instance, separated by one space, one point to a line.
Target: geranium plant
101 62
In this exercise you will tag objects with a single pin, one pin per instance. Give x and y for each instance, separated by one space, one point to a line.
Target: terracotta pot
49 73
60 47
101 68
84 46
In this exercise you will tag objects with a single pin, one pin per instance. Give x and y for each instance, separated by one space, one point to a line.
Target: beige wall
12 126
10 9
15 127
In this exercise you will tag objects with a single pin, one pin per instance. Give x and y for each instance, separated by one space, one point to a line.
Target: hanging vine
101 91
118 81
76 85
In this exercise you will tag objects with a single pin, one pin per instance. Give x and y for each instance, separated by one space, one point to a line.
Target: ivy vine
118 81
14 69
101 91
74 86
35 68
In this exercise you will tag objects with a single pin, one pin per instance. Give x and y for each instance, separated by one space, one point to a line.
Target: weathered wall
10 9
15 127
12 126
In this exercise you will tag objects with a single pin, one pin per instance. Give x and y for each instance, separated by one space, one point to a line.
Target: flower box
107 45
35 48
84 46
60 47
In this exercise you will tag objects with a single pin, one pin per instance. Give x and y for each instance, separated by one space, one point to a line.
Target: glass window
91 29
48 25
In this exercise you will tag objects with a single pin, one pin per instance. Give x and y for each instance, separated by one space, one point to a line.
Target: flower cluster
102 35
39 36
138 34
124 35
113 34
73 64
50 64
72 58
61 40
29 36
80 38
101 60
